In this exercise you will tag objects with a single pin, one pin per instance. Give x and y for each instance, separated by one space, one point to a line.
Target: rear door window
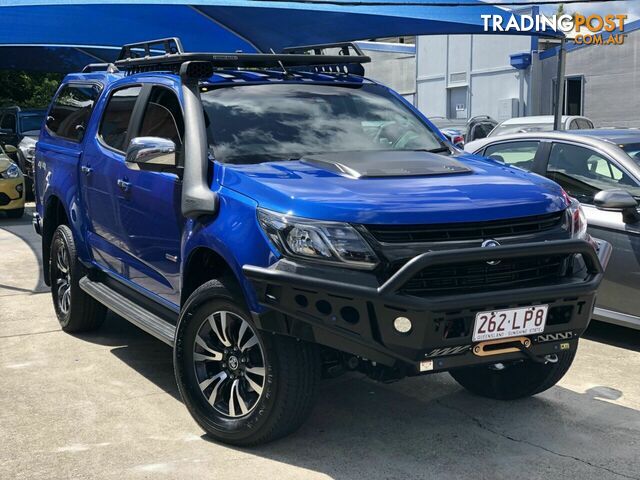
116 119
71 111
515 154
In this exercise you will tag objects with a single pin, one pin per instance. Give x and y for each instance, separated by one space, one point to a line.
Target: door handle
86 169
124 186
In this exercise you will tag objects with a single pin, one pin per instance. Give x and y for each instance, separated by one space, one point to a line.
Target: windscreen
259 123
633 150
29 123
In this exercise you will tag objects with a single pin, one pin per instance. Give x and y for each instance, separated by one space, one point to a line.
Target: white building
461 76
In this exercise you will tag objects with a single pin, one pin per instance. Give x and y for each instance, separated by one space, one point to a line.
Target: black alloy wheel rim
229 364
63 279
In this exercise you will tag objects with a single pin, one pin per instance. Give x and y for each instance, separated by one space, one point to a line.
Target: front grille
465 231
481 277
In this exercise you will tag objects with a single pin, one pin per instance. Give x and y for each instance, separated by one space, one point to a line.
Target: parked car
20 127
460 131
26 152
272 221
12 188
590 165
542 123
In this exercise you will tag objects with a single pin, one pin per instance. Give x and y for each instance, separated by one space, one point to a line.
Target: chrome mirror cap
151 152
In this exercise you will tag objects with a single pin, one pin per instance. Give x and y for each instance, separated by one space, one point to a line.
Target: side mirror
10 149
151 153
618 200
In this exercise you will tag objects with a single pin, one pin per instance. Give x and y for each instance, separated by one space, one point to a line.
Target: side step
129 310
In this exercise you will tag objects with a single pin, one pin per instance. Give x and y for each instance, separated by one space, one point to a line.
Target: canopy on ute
65 35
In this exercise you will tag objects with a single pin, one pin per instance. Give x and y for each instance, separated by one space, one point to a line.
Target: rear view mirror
618 200
151 153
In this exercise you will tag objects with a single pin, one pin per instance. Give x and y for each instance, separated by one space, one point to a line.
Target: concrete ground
105 405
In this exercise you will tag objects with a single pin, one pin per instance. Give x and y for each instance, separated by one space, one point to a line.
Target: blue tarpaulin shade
66 35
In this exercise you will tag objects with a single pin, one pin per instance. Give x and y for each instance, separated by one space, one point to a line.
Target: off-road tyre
75 309
517 380
291 370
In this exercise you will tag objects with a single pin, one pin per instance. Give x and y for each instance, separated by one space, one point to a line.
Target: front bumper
12 194
350 311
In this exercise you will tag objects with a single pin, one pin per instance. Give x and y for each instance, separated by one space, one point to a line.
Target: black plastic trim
387 292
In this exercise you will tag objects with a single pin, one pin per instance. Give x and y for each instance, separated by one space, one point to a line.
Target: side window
8 123
114 127
583 172
71 111
163 117
516 154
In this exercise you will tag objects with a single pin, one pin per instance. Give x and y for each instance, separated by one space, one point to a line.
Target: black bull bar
277 285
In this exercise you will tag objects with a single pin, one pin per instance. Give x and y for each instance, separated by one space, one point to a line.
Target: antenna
284 70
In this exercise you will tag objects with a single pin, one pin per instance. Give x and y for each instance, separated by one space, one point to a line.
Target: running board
129 310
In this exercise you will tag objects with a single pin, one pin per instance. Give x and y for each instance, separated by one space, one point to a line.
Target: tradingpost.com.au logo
588 30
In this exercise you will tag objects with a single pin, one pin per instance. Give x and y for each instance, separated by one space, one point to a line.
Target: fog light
19 188
402 325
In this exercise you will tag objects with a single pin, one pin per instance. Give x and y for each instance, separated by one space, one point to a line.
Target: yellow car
11 187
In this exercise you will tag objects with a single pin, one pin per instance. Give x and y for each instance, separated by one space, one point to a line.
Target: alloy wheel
229 364
63 279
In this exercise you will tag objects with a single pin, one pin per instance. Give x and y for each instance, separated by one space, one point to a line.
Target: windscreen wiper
436 150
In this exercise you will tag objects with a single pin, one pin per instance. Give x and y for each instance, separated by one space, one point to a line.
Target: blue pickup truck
279 218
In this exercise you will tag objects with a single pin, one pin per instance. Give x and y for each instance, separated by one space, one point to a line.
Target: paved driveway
105 405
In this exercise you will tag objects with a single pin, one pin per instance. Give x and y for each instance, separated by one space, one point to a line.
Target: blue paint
520 61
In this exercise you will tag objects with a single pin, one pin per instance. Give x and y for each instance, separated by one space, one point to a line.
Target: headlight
575 220
12 172
29 151
331 242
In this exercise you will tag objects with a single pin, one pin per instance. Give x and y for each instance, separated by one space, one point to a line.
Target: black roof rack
170 46
168 54
344 48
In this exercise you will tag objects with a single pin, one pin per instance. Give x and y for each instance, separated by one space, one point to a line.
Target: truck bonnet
370 188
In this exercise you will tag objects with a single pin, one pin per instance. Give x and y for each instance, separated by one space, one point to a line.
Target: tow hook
498 347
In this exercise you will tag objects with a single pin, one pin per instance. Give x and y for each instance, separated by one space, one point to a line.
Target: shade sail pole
557 114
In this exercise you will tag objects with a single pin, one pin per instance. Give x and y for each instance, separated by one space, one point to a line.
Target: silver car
539 123
601 168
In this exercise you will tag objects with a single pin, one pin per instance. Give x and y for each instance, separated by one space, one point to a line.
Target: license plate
510 322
